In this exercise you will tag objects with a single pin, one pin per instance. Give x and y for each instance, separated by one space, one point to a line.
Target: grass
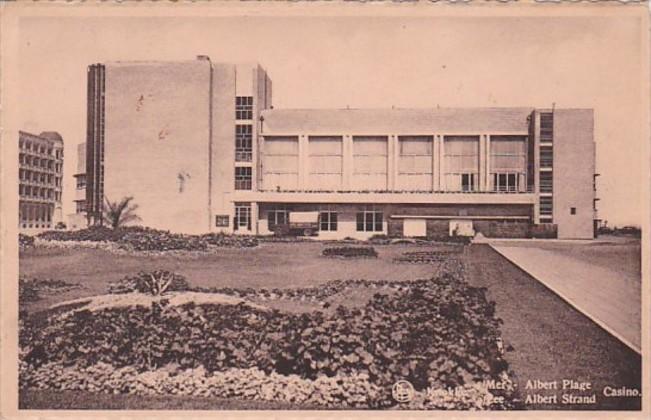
550 339
79 400
271 265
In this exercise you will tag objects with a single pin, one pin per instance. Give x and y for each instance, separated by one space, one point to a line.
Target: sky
374 62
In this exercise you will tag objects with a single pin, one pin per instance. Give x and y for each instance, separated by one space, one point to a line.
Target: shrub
137 238
379 239
25 241
155 283
230 241
350 252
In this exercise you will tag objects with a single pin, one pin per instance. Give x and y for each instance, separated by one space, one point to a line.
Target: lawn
271 265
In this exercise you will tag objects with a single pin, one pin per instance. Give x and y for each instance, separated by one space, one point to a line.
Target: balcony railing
528 190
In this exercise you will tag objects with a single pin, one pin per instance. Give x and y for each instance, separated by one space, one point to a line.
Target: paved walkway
610 299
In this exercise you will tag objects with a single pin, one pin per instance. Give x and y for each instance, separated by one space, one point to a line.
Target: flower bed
350 252
136 238
428 257
437 333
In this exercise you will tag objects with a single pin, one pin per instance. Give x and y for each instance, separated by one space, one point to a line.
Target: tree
119 213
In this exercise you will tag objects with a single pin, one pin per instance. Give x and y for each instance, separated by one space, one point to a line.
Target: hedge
136 238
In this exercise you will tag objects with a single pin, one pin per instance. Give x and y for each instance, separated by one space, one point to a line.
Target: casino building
201 149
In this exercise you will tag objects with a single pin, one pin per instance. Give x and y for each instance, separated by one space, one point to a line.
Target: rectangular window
546 156
546 206
546 126
328 221
242 218
369 221
81 182
222 220
243 142
468 182
243 178
546 182
573 210
506 182
277 217
81 206
244 107
461 162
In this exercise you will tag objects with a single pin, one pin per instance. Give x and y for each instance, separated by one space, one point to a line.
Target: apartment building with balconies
40 181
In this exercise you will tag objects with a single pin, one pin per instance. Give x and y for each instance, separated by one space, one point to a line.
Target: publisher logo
402 391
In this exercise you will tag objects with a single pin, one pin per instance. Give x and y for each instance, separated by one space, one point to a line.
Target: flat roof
396 121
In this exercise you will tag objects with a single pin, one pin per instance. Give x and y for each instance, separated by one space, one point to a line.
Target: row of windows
35 212
366 220
42 149
37 192
35 176
243 142
546 156
546 127
546 206
506 182
39 162
36 225
244 107
546 182
327 219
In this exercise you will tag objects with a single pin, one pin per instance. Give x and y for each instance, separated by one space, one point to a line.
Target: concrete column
392 161
441 157
347 158
303 164
254 218
488 162
482 162
435 163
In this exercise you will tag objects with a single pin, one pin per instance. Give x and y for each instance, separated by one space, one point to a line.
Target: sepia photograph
325 207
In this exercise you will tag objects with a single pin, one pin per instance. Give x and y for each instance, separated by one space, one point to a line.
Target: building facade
40 177
78 219
199 147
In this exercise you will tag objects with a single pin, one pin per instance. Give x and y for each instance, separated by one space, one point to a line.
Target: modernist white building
199 147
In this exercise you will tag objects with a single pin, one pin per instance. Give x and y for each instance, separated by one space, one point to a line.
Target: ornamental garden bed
429 257
139 239
436 333
350 252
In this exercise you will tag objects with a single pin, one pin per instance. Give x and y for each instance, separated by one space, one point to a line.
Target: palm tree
119 213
